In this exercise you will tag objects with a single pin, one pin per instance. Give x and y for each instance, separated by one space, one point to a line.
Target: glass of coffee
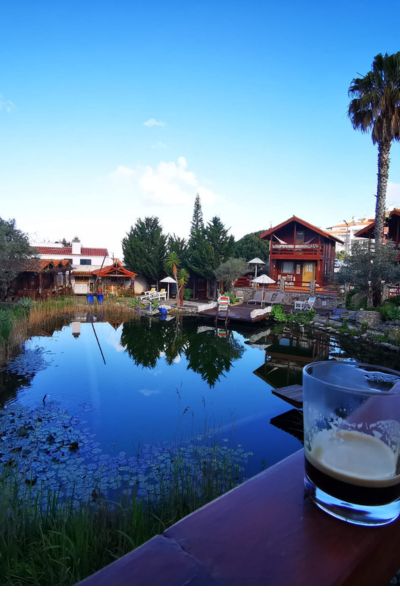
352 440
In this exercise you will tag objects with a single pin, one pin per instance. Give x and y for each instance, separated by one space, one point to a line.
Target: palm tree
182 279
172 263
375 108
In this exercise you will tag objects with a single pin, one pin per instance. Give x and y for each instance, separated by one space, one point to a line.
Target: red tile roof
35 265
115 270
68 250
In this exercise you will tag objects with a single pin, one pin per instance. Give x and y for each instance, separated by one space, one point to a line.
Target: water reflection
287 351
208 351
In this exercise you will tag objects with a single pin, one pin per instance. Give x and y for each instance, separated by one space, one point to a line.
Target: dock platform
243 312
291 393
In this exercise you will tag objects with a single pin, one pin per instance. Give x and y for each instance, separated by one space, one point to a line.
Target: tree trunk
383 176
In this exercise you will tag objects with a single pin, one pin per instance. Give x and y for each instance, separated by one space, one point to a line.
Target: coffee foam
354 457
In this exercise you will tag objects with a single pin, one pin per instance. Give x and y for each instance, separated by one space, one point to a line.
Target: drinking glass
352 440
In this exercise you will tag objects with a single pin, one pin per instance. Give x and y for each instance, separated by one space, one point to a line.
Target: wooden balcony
296 251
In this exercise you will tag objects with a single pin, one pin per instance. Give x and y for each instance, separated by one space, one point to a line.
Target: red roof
35 265
114 270
272 230
68 250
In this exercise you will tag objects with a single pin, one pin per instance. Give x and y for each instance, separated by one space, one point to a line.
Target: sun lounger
257 298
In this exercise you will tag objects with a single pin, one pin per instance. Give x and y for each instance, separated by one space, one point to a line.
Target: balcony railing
309 249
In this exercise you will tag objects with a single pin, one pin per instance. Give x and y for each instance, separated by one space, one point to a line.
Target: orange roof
34 265
115 270
326 234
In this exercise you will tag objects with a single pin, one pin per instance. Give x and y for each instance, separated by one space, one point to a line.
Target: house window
300 237
288 266
85 261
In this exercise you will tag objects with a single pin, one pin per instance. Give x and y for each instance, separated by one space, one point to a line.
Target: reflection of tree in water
206 353
144 340
211 355
364 351
20 372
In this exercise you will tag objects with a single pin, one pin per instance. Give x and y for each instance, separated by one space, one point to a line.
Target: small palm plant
182 279
172 264
375 108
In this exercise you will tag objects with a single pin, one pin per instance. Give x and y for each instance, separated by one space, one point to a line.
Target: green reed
47 541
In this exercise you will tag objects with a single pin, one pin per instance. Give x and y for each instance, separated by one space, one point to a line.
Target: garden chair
257 298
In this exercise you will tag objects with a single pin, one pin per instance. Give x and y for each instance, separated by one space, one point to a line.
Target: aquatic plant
67 509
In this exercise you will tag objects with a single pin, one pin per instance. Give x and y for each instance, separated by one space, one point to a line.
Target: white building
346 230
84 261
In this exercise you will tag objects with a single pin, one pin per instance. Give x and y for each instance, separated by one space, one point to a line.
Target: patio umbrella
263 280
168 280
256 262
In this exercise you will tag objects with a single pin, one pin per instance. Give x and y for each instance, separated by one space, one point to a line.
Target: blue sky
110 111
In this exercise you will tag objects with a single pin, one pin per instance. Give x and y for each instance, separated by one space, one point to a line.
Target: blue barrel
90 299
163 312
100 298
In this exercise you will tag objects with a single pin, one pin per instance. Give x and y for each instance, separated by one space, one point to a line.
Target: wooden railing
308 249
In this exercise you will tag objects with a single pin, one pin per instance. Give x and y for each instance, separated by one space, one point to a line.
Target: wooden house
301 254
391 228
41 278
113 278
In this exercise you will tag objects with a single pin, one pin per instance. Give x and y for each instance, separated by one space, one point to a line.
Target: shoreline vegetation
51 539
60 536
46 540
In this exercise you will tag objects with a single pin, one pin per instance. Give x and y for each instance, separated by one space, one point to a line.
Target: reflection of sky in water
127 406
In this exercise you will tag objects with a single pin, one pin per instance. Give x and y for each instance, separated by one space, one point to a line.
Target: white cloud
6 105
166 184
122 173
152 122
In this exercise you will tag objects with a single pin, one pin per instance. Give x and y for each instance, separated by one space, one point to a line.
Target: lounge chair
278 298
257 298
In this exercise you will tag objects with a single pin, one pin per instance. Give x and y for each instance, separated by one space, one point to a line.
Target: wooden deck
263 532
291 393
242 312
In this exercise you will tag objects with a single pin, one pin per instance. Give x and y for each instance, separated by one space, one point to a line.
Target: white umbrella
168 280
256 261
263 280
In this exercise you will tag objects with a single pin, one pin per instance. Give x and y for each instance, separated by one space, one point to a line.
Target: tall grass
46 541
22 319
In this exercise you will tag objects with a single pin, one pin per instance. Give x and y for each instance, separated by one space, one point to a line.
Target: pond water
94 404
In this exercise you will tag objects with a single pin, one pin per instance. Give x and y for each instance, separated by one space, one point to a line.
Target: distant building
346 231
391 229
301 255
85 261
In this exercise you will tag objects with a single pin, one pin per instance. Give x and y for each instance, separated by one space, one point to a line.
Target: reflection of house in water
286 354
290 421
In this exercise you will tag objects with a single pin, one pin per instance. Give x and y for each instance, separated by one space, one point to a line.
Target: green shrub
6 322
395 300
389 311
302 317
187 294
233 299
279 314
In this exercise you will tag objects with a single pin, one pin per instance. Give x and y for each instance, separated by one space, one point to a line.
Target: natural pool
94 408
